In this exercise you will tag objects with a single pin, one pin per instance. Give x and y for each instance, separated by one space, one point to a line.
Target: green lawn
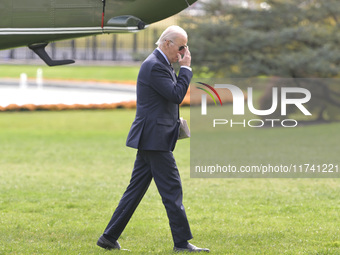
100 73
63 173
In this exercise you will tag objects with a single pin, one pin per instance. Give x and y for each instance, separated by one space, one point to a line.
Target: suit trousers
161 166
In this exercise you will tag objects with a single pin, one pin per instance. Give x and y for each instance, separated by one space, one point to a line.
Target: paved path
64 92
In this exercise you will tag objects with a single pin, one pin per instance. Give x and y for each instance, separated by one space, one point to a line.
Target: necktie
173 72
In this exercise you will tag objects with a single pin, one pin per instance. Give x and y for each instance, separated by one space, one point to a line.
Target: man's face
175 47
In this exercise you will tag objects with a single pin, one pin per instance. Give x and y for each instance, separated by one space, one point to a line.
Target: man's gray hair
170 34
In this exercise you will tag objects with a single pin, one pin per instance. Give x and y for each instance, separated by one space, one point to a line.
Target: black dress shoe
191 248
106 244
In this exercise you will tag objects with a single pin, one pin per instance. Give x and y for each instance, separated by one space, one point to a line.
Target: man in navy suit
154 133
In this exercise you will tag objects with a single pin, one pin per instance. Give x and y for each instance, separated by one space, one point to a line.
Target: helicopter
36 23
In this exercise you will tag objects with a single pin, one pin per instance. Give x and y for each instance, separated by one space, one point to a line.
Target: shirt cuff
187 67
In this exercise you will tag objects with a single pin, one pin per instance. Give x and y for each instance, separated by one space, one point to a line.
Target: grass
100 73
63 173
241 145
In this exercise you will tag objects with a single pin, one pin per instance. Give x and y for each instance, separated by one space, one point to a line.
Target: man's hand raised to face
186 59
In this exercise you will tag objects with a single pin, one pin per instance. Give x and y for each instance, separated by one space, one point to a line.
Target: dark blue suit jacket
159 93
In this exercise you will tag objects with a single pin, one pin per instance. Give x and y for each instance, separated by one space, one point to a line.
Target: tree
292 38
277 38
324 104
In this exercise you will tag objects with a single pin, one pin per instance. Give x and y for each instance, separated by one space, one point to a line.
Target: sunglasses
181 47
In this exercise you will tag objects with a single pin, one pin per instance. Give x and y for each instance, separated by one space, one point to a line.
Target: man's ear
168 43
